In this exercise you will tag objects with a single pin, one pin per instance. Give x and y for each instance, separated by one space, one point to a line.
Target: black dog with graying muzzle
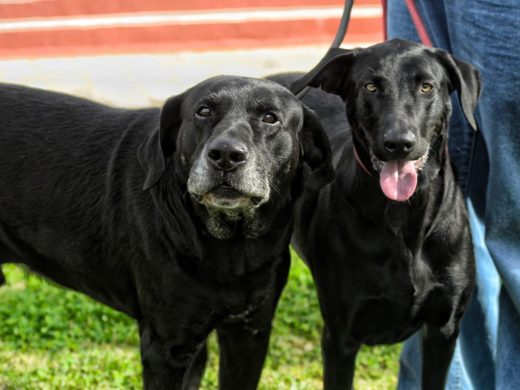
203 246
388 241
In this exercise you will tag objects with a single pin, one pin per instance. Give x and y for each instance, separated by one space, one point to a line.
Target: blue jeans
485 33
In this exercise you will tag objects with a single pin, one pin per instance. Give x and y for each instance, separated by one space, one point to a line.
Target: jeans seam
470 163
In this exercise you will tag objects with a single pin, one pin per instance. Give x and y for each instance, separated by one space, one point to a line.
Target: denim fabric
485 33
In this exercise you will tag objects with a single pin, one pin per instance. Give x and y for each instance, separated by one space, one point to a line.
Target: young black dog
388 242
203 246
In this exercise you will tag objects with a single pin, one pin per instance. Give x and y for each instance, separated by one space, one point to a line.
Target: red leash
417 21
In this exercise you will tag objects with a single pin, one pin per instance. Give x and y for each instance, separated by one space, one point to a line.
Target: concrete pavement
143 80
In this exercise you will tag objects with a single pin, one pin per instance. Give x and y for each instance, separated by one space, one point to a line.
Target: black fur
385 268
97 199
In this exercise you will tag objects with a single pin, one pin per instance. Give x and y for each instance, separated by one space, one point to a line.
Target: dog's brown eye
425 87
371 87
270 118
204 112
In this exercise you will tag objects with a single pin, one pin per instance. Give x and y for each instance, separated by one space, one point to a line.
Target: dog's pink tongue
398 179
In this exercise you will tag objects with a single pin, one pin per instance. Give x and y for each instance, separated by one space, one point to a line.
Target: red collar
356 156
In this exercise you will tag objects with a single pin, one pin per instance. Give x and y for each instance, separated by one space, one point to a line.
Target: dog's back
47 138
64 163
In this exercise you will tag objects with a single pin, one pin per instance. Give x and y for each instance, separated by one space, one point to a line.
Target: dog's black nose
399 145
226 155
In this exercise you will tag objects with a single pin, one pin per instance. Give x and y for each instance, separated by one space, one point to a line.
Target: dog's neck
188 241
360 162
229 260
361 155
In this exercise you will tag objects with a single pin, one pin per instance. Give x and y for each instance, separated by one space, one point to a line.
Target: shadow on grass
55 338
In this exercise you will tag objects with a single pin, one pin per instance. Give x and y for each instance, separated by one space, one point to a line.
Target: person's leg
508 347
472 365
399 24
492 39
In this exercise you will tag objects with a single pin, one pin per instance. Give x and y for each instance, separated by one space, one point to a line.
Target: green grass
51 338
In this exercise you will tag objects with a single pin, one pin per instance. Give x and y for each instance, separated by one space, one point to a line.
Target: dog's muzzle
227 177
228 198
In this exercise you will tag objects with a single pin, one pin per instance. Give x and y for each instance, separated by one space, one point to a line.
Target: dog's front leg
164 363
243 343
437 351
339 357
243 346
242 356
195 372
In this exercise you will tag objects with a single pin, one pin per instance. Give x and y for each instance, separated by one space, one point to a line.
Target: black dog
203 246
388 242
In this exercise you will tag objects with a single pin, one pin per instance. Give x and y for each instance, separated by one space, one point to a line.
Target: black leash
338 39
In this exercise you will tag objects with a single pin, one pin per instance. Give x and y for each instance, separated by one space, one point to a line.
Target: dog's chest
237 287
241 306
391 300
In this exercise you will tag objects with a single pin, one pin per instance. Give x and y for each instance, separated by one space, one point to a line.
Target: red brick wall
68 27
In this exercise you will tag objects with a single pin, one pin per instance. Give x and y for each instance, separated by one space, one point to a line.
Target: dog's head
239 144
398 103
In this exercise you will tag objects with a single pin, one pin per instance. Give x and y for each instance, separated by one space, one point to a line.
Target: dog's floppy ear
161 143
316 151
466 80
330 74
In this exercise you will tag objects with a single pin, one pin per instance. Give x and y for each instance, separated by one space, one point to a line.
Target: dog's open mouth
398 178
228 198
